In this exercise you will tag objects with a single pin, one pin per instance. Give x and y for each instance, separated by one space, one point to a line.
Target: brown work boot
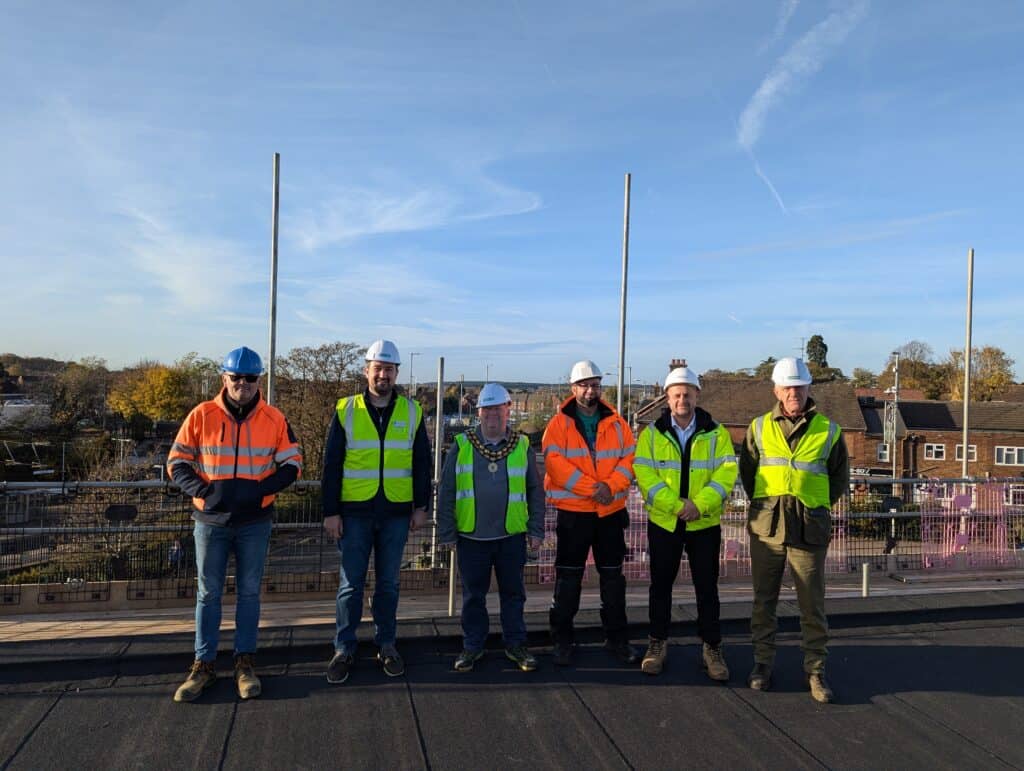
713 662
760 678
202 675
820 690
654 659
245 676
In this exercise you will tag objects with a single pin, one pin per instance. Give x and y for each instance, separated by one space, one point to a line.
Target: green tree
763 371
817 352
78 393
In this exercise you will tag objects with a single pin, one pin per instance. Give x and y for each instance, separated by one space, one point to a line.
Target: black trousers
702 550
578 533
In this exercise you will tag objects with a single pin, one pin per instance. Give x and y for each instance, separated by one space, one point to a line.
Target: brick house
929 439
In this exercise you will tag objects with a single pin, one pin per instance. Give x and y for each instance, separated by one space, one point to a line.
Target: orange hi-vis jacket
234 457
572 472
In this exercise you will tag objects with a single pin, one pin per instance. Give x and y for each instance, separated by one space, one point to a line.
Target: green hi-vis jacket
801 472
516 514
363 469
711 471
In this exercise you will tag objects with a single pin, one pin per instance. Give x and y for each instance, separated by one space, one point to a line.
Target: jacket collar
238 413
703 421
604 409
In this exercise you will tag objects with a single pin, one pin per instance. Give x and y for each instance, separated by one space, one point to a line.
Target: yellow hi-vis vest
516 514
658 469
364 468
802 471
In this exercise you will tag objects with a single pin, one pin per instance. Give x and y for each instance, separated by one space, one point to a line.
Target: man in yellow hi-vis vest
491 502
794 466
375 488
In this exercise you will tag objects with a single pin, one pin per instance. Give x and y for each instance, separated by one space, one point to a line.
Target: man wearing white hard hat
375 488
794 466
588 470
685 468
491 502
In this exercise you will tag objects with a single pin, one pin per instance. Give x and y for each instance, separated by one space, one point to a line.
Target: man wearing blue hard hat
375 488
233 454
491 502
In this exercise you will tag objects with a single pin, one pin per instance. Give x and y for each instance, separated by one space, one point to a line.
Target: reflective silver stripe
284 455
576 452
619 496
464 469
758 430
293 463
832 429
242 468
412 425
517 498
654 491
396 473
390 444
183 448
186 461
629 450
349 427
702 464
644 462
813 468
618 430
723 459
461 495
369 473
517 472
628 473
564 494
718 489
765 461
362 444
602 454
574 477
554 448
671 465
219 450
714 444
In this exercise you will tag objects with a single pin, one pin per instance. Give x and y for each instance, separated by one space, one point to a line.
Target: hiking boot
466 660
562 654
525 660
391 661
245 676
200 677
340 665
654 659
713 662
820 690
760 678
622 651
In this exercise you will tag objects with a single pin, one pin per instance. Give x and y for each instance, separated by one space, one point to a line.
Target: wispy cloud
803 59
786 11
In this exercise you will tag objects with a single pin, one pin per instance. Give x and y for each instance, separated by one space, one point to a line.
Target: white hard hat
383 350
682 376
791 371
584 370
493 394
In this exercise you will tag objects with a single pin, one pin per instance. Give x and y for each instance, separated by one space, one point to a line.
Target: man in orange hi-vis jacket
233 454
588 469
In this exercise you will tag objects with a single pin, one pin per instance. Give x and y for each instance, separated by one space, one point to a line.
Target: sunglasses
246 378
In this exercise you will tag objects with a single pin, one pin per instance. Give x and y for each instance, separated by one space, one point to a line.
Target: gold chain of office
494 455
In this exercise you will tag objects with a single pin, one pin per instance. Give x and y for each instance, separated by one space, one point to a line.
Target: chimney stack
676 363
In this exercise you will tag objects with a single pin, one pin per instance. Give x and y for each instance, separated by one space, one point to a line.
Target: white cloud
803 59
786 11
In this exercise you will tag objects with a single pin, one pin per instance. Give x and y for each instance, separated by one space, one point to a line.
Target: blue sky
452 179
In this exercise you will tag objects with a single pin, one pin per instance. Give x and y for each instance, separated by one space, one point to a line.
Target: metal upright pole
895 409
271 370
438 450
622 304
967 358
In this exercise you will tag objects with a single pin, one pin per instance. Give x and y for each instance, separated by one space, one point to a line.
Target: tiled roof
948 416
735 402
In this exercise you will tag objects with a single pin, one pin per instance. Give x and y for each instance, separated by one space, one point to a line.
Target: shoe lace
715 654
245 662
656 647
201 666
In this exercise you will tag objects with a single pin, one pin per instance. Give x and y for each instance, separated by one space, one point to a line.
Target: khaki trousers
807 566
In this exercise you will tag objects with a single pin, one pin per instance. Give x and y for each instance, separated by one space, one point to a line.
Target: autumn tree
310 382
991 373
151 391
863 378
78 393
918 370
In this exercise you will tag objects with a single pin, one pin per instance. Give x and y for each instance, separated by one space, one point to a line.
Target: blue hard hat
242 361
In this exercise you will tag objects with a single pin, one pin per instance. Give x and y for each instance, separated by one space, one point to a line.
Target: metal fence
75 540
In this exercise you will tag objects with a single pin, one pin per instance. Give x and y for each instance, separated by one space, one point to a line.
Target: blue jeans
386 536
508 558
213 544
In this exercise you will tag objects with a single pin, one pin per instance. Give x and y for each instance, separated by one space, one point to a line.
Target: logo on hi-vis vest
399 424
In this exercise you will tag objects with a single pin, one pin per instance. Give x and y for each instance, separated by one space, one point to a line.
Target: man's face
380 377
587 392
494 420
682 400
792 398
239 387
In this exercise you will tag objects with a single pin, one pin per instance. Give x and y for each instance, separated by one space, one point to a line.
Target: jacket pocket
817 526
220 497
248 497
761 518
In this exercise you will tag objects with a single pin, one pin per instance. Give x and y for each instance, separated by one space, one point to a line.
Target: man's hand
603 494
688 512
533 544
333 526
419 519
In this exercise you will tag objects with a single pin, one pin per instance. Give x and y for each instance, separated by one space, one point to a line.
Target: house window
883 452
972 452
935 452
1010 456
1014 495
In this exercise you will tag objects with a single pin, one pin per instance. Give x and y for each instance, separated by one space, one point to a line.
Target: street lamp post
895 406
412 357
